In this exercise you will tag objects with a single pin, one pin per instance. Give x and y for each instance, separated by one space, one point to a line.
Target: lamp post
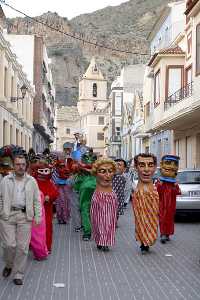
95 105
23 91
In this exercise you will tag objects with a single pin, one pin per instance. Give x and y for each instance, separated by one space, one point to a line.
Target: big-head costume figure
7 154
145 201
41 170
104 205
85 184
6 166
168 189
63 203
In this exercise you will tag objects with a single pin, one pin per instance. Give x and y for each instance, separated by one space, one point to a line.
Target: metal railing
179 95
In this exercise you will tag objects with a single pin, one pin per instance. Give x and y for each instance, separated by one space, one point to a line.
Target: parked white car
189 182
189 200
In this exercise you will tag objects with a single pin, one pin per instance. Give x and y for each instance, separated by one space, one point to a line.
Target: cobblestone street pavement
169 271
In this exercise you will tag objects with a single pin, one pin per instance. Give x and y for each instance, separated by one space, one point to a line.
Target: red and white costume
104 217
50 192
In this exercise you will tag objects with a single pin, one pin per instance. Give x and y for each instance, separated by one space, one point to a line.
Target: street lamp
95 105
23 91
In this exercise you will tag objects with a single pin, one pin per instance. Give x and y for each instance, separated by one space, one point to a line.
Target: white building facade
115 119
16 112
32 54
173 104
126 95
163 79
169 25
67 124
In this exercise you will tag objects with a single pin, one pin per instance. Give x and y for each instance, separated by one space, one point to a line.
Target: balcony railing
179 95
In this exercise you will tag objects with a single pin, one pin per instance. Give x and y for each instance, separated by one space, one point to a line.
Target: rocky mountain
124 27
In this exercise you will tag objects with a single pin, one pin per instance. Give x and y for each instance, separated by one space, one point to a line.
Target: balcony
179 95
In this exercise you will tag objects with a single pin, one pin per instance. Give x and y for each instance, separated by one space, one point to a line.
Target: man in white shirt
19 204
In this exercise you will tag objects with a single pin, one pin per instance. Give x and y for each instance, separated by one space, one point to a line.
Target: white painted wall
170 28
23 47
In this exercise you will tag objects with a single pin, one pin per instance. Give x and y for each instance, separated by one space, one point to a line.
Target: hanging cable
70 35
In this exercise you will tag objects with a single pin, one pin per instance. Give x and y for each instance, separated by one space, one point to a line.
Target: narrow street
169 271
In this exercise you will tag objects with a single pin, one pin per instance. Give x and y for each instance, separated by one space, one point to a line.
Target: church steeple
92 89
91 106
93 71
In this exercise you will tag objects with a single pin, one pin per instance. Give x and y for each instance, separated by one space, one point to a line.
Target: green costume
85 184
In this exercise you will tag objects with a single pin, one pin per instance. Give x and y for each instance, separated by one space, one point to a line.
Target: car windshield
187 177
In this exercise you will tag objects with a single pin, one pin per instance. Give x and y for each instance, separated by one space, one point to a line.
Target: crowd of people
92 191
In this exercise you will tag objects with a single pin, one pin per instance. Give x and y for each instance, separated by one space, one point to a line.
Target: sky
65 8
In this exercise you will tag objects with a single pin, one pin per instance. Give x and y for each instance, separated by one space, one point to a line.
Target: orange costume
146 212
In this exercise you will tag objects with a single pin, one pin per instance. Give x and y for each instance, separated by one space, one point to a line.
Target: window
5 81
17 138
11 135
94 90
101 120
198 49
147 149
95 69
118 131
147 109
188 75
12 86
177 147
175 79
22 143
26 142
118 104
167 35
67 130
100 136
5 133
44 72
157 89
189 44
18 102
189 151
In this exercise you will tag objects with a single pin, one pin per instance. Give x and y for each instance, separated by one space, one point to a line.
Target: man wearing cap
167 189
